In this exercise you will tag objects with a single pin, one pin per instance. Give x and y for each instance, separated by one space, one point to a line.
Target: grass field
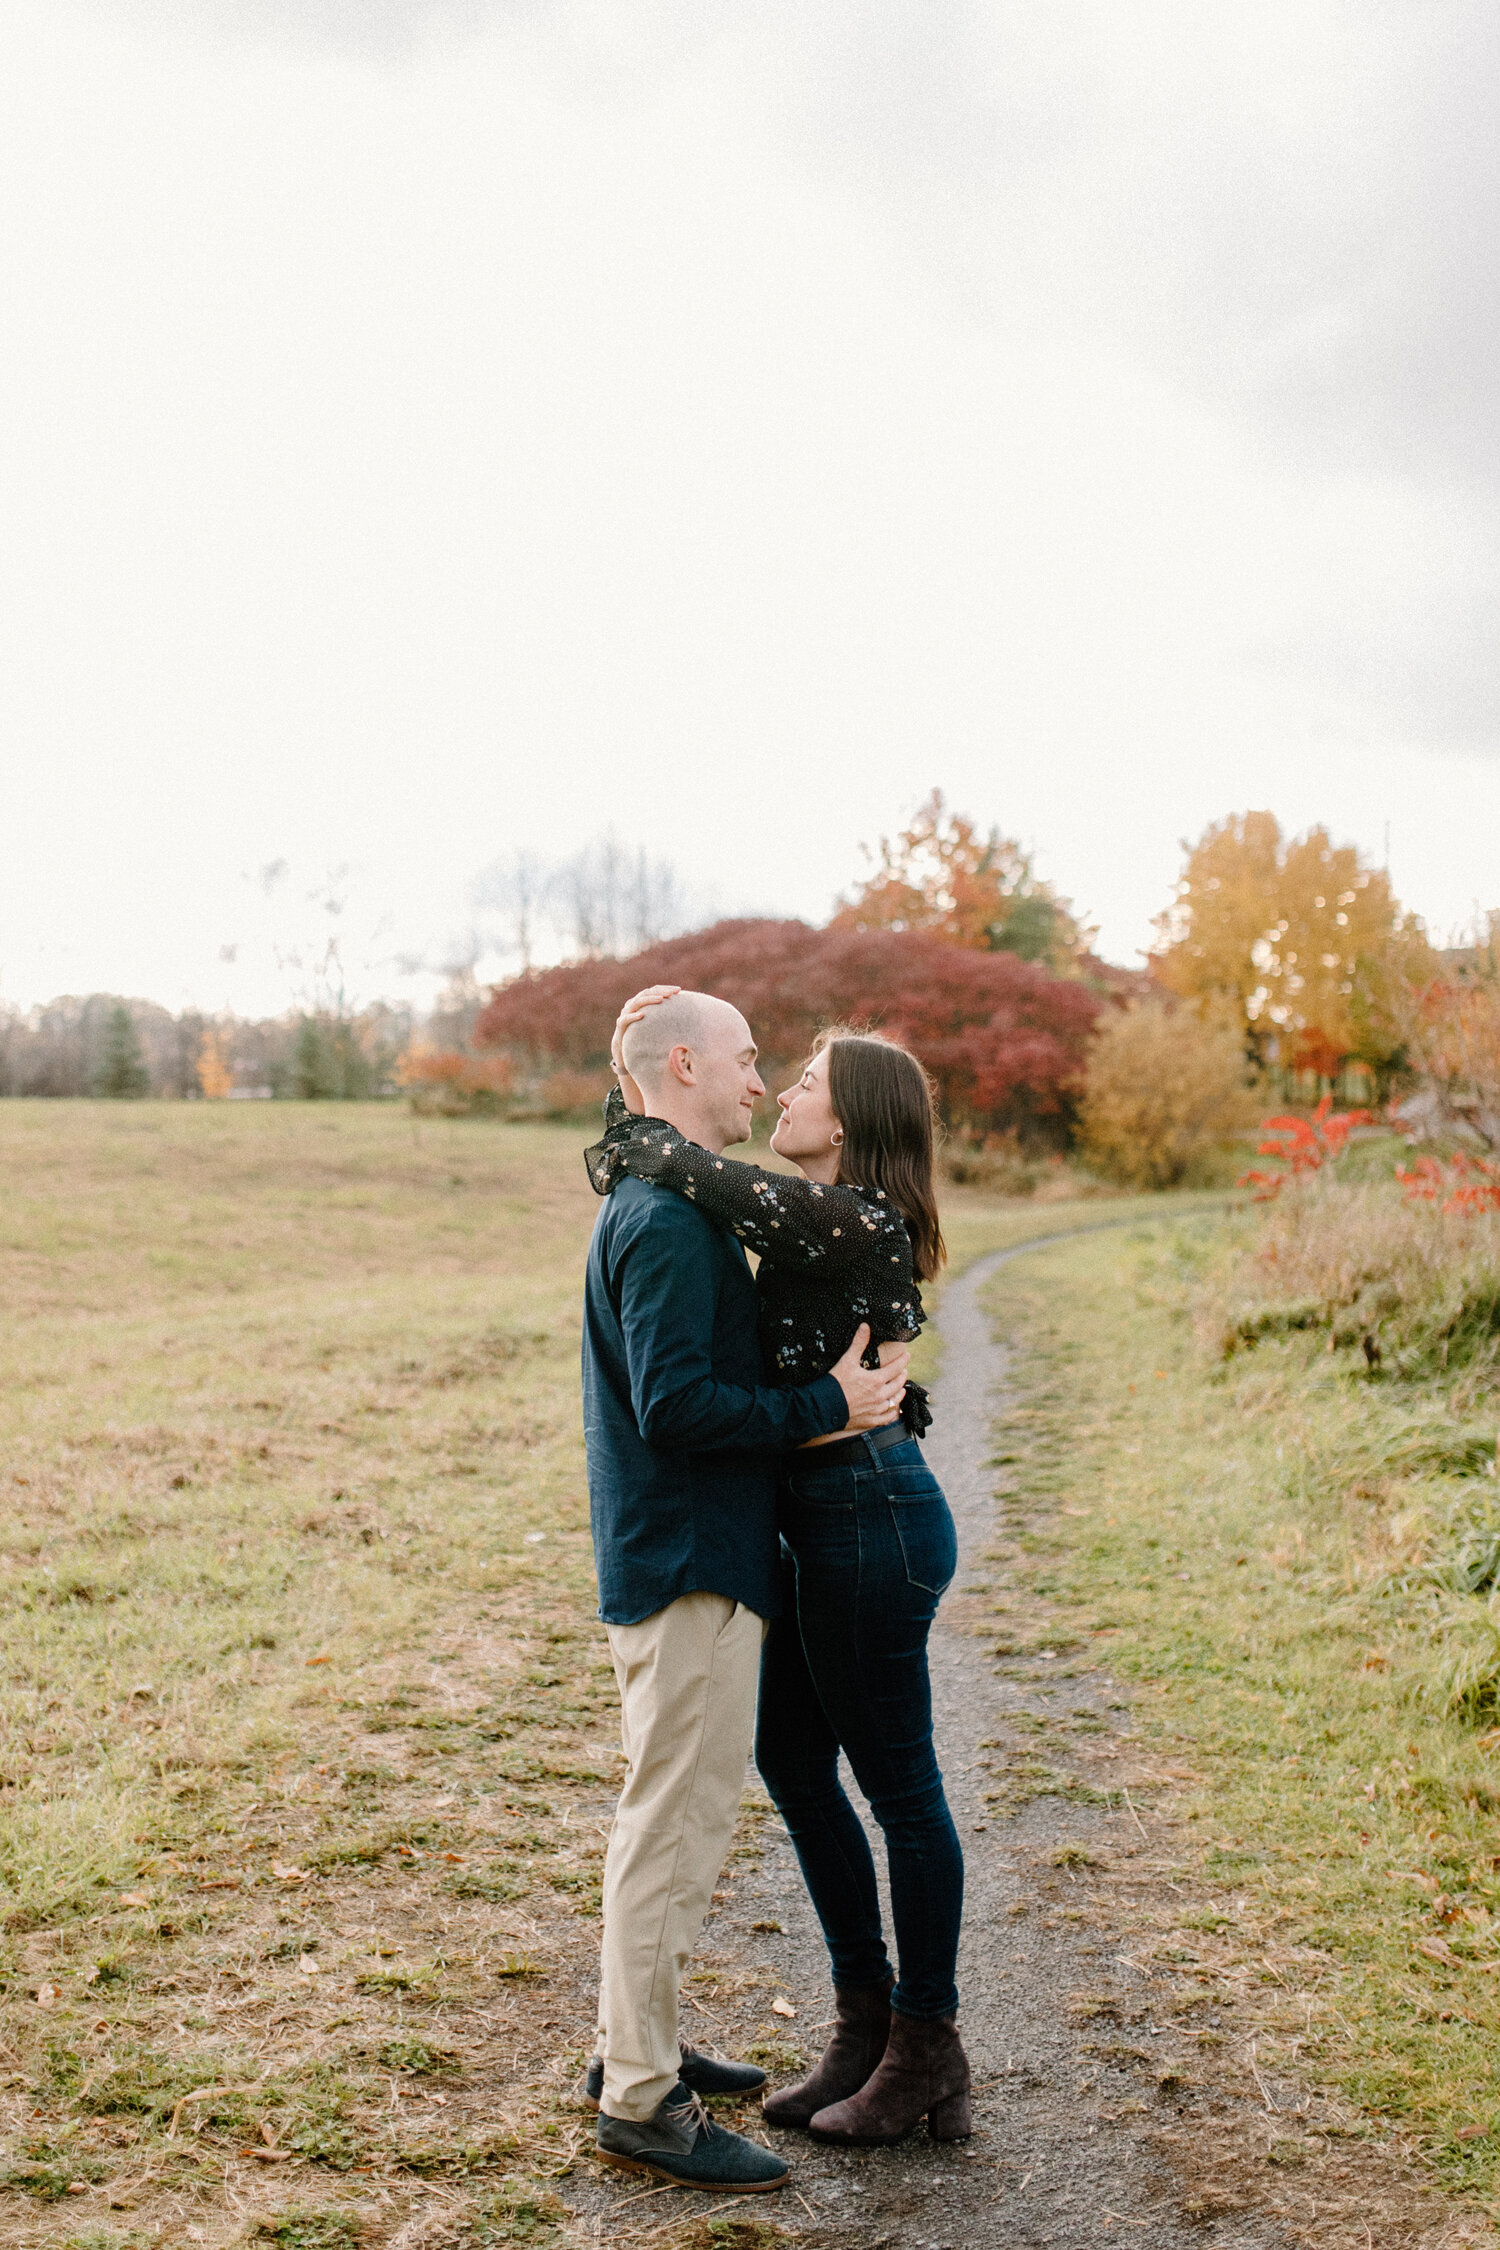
307 1730
299 1671
1241 1541
307 1733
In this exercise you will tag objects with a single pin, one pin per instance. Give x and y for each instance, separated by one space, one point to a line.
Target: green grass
269 1385
306 1723
1240 1539
300 1685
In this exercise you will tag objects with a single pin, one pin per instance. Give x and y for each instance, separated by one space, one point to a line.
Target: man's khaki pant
687 1681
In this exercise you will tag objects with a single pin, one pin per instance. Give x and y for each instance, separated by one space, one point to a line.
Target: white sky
430 429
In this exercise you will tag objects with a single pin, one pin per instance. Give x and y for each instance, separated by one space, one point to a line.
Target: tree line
110 1047
1283 966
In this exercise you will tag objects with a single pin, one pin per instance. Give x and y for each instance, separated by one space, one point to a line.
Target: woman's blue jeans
867 1552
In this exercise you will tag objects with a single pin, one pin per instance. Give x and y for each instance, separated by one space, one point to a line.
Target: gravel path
1066 2154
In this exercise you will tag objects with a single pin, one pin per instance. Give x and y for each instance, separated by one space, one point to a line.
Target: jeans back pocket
924 1530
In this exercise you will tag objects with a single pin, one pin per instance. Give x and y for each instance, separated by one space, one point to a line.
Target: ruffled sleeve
605 1160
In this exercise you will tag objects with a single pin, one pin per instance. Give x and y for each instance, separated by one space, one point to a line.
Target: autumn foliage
1004 1038
968 887
1452 1028
451 1083
1304 1145
1462 1185
1165 1087
1297 932
215 1072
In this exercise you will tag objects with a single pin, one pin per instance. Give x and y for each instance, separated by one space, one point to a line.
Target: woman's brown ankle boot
861 2026
924 2072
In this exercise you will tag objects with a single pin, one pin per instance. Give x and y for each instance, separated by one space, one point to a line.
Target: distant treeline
115 1048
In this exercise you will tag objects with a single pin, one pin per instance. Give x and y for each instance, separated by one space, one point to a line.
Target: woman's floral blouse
830 1257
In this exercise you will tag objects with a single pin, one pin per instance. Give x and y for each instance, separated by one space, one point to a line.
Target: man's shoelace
689 2116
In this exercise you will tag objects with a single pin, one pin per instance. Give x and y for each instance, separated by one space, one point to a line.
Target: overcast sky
433 427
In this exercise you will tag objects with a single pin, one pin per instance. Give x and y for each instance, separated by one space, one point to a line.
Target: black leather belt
857 1448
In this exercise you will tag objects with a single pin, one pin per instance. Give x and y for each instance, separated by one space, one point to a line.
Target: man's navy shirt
682 1434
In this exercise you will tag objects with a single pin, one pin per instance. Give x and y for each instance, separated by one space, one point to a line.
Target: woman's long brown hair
882 1097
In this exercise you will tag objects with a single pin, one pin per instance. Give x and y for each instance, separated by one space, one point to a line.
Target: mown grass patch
1251 1542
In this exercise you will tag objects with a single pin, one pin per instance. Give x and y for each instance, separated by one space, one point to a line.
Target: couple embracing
764 1522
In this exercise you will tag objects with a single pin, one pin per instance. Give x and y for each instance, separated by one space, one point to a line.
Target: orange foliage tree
943 876
1309 942
451 1083
215 1075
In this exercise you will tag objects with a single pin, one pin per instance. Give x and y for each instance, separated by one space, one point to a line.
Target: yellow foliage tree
1304 938
214 1073
1164 1087
941 874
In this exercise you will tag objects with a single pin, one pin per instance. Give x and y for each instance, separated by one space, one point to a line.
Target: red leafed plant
1463 1183
1304 1145
1005 1039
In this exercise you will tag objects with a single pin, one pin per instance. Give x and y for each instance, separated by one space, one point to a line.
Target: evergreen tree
120 1074
312 1075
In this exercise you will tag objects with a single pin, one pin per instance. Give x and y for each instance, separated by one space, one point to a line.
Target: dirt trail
1119 2093
1067 2151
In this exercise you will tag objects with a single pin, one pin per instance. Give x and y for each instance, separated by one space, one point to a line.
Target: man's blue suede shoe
703 2075
682 2145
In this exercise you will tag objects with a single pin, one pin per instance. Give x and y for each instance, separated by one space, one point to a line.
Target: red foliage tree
1004 1038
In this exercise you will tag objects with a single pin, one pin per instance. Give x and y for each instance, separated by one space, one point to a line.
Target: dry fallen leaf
288 1874
269 2155
1436 1950
308 1966
782 2008
46 1994
78 2187
1471 2132
312 1660
135 1898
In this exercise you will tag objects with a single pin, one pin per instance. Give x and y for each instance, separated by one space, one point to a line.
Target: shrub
447 1082
1417 1291
574 1093
1303 1144
1164 1087
1004 1038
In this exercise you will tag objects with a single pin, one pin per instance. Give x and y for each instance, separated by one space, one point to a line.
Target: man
682 1441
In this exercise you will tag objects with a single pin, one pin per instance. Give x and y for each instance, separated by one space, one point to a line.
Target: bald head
695 1020
693 1058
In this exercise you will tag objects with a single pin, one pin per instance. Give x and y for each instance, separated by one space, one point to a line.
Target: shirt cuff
833 1405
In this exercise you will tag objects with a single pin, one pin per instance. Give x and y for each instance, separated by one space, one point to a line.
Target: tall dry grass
1414 1290
1408 1297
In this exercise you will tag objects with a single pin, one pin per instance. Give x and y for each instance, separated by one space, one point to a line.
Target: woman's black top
830 1257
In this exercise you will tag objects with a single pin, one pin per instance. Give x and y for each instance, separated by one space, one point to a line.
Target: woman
868 1549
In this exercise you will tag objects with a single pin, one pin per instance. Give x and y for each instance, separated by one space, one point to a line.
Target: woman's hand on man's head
632 1012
